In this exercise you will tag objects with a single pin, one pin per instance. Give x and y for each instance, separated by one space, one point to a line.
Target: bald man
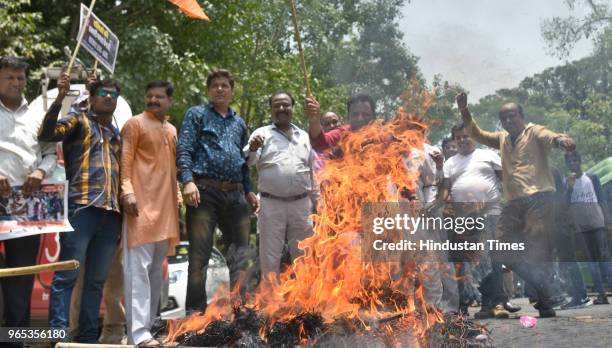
529 188
330 120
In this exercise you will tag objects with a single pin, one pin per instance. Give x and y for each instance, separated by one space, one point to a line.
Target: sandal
151 342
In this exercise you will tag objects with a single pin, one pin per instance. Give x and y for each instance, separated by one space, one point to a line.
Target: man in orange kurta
150 200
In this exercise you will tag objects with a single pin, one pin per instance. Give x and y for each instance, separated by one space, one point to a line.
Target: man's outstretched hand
462 104
566 143
461 99
256 143
312 108
63 87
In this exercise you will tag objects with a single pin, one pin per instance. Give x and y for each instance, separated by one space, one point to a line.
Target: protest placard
99 40
44 211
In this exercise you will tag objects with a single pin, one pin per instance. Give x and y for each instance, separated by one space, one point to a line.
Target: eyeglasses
105 93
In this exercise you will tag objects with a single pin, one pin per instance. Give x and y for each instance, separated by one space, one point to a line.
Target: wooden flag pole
81 34
92 345
94 70
55 266
299 42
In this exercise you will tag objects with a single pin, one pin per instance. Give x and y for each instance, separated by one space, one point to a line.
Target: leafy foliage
561 34
19 34
574 98
350 45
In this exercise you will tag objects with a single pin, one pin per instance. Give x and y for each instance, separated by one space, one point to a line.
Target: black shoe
547 313
554 303
601 299
484 313
558 301
577 303
511 307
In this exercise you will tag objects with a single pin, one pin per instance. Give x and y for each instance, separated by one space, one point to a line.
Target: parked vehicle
217 274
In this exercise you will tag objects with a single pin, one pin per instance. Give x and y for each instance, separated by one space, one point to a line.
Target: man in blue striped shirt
214 171
92 148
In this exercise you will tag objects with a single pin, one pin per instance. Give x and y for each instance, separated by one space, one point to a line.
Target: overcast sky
484 45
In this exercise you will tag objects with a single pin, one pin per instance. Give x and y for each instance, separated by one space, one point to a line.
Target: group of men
109 172
40 206
474 180
124 187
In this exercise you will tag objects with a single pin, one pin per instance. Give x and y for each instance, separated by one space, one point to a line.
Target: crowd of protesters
125 196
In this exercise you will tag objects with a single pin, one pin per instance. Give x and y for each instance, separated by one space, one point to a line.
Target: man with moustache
283 156
150 200
529 187
217 184
92 147
25 161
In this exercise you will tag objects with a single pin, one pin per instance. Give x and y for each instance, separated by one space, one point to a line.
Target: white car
217 274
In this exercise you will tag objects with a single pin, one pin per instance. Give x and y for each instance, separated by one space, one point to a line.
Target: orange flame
330 277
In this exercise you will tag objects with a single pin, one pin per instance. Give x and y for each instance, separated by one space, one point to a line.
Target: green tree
562 33
443 114
350 45
18 32
573 98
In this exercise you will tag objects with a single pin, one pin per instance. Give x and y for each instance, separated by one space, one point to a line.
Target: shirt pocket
209 133
303 178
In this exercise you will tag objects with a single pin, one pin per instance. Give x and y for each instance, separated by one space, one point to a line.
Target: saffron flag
191 8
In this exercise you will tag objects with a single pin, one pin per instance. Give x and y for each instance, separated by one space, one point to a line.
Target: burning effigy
330 296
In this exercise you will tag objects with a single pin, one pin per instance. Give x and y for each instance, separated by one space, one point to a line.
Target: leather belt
219 185
284 199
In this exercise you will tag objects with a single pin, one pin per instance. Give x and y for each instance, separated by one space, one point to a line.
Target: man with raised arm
92 147
361 110
529 188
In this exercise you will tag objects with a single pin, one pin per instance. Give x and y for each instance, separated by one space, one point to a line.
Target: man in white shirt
25 162
449 148
283 156
588 209
471 178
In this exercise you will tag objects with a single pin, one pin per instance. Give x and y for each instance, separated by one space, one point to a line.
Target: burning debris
358 304
295 330
309 329
458 331
218 333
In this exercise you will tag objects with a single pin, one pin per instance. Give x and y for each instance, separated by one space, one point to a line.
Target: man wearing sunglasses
92 148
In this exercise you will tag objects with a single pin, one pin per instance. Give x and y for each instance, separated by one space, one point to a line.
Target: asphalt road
583 327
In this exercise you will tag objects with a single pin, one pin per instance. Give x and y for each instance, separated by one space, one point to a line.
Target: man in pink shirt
330 120
361 108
